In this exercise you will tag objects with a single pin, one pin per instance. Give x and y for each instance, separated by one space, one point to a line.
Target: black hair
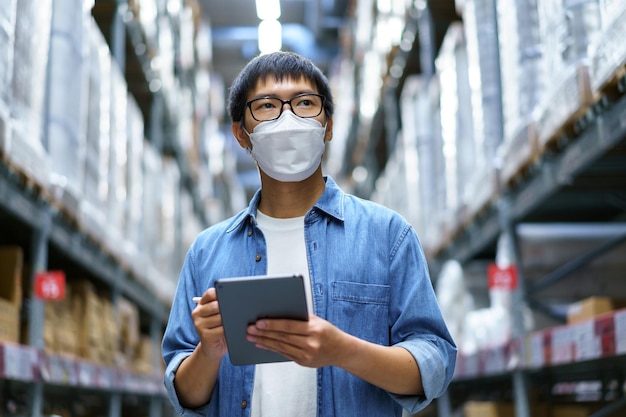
281 65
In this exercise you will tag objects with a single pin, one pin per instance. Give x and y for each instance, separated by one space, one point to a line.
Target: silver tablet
244 300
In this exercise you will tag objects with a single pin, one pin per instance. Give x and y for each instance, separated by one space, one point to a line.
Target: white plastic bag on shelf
454 298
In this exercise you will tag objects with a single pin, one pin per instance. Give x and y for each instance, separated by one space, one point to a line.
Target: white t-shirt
285 388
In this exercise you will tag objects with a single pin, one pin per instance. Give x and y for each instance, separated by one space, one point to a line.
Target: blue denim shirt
369 278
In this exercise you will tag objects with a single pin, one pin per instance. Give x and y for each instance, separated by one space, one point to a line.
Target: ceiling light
268 9
270 36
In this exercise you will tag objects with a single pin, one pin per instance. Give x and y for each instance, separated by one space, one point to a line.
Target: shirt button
258 257
249 232
244 404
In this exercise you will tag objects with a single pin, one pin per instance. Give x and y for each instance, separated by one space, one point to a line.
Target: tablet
244 300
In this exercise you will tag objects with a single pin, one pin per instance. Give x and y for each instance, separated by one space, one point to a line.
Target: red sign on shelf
50 285
503 278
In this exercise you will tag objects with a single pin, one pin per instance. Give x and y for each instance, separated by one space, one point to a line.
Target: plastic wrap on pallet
411 110
96 170
152 180
486 100
7 40
67 100
30 60
521 72
459 148
568 32
134 174
118 160
522 84
609 57
167 224
479 19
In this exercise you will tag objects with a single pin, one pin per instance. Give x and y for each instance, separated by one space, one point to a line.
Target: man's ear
240 134
328 136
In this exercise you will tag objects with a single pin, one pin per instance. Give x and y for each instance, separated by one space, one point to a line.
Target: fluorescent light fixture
270 36
268 9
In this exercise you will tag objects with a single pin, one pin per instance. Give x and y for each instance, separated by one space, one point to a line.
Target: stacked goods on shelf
61 327
567 31
127 317
95 192
98 330
400 177
522 84
431 166
25 151
132 205
7 39
118 159
608 64
11 259
160 217
67 101
457 142
486 100
88 326
143 362
152 189
165 281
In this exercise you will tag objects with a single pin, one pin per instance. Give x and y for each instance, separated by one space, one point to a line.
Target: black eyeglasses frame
249 105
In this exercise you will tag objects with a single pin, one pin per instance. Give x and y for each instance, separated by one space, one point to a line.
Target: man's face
284 89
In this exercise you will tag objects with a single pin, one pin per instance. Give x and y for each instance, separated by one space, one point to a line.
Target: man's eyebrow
274 95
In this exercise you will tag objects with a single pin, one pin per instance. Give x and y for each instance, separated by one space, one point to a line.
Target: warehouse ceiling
309 27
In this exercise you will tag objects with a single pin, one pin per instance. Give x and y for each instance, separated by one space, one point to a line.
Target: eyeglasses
307 105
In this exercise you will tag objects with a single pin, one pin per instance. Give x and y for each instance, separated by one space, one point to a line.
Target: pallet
519 156
615 85
24 179
567 103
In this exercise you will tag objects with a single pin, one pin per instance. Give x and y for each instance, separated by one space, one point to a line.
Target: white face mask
290 148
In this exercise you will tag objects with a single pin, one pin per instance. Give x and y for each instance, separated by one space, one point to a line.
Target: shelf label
502 278
50 285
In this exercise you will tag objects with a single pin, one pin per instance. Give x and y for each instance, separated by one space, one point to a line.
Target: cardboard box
11 263
592 307
9 322
488 409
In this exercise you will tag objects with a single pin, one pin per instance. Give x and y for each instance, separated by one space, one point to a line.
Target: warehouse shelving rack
581 181
51 239
578 181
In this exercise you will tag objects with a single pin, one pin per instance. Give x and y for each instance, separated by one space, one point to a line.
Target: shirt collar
330 202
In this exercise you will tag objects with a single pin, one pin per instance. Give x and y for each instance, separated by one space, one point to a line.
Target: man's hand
313 343
208 323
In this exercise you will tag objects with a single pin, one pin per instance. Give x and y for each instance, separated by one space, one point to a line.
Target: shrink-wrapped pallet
480 27
7 40
28 87
522 83
134 175
458 146
118 159
68 101
609 59
568 29
96 169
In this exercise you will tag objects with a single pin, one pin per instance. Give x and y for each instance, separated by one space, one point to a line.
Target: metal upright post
39 249
518 304
115 405
156 402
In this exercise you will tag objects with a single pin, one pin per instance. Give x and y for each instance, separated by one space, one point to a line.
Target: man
375 341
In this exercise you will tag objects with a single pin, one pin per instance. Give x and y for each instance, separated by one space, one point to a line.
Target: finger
208 296
298 327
